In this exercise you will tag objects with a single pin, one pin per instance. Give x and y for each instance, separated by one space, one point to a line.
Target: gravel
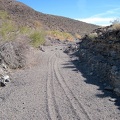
51 88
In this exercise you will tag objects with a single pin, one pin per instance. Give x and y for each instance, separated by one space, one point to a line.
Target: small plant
37 38
24 30
92 36
8 30
4 15
77 36
37 25
116 26
7 27
60 35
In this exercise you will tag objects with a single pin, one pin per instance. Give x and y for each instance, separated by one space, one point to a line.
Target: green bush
37 38
92 36
7 27
8 30
60 35
116 26
24 30
4 15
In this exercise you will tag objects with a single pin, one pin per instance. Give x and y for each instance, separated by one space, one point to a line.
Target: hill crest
25 15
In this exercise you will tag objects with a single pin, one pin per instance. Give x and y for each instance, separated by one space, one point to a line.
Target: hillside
39 81
25 15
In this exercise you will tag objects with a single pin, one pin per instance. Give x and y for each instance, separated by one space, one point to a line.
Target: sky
99 12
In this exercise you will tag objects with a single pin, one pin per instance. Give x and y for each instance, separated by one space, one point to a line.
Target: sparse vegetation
4 15
116 24
77 36
37 24
37 38
92 36
24 30
60 35
9 30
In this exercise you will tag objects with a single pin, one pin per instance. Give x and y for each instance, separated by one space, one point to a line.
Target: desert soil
51 88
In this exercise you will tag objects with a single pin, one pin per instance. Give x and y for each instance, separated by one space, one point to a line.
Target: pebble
112 99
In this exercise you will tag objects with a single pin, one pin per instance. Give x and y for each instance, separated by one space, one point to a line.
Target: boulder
11 54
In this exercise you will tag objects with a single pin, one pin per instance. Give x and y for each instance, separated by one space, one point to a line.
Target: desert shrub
116 26
77 36
68 36
8 30
37 38
7 26
92 36
4 15
37 24
24 30
60 35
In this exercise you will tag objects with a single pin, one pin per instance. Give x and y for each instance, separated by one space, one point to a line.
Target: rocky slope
100 51
25 15
12 53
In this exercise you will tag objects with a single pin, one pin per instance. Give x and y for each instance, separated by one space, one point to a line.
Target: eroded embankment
12 56
100 51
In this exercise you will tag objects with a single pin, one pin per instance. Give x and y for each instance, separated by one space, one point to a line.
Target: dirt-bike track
50 88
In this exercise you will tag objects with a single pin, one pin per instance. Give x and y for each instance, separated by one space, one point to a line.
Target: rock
117 91
102 56
114 68
104 84
1 72
108 88
113 54
112 99
41 48
91 73
71 48
2 84
11 53
4 79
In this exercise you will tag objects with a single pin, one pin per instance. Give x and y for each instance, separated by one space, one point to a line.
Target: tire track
76 105
52 105
47 106
71 106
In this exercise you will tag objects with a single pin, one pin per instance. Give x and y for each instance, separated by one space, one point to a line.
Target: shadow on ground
92 79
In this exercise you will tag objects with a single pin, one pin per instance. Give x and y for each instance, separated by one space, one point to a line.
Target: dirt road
51 88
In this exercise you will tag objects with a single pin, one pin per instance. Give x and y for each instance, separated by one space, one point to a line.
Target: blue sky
99 12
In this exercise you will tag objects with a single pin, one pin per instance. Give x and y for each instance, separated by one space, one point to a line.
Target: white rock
112 99
4 66
6 77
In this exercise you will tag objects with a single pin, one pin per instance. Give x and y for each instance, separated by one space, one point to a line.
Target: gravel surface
51 88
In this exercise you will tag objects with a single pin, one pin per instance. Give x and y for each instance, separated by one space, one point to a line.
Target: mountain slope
25 15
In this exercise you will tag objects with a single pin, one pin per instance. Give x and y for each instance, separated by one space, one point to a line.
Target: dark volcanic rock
102 55
11 53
